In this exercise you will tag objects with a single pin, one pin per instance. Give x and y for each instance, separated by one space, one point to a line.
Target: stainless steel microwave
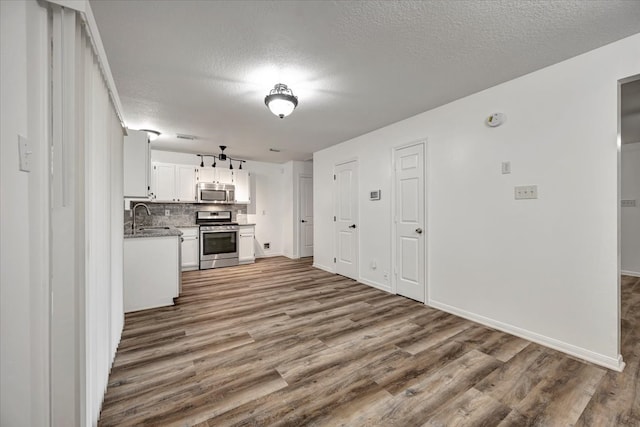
209 192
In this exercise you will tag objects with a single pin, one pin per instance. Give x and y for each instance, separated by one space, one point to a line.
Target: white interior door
346 219
306 216
409 222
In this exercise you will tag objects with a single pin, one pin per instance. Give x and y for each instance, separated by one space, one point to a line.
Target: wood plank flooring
281 343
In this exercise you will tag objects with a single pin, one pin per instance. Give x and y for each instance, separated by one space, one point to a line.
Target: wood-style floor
281 343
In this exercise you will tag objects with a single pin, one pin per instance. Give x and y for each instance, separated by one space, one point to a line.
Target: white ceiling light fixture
281 100
153 134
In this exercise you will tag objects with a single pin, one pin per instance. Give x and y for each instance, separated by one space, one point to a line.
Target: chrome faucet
133 224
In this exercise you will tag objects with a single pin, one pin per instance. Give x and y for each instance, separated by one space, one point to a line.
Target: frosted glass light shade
281 107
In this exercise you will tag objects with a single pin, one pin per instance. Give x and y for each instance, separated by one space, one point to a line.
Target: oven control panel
219 228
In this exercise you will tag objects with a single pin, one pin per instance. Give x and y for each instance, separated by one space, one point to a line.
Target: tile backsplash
180 214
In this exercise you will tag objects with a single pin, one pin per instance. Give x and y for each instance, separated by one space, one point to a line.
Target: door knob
419 230
352 226
303 220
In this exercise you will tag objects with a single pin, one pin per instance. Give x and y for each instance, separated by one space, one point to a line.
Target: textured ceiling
203 67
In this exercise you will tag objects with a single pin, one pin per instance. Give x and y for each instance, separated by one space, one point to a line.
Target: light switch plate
526 192
24 148
506 167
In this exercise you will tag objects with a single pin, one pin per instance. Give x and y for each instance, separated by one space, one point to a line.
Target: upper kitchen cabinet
241 182
174 183
206 175
224 176
136 164
219 175
185 183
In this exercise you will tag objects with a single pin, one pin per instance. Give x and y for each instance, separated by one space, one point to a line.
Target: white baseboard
613 363
322 267
630 273
376 285
270 255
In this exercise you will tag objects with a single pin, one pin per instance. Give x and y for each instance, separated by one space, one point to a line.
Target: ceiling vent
187 137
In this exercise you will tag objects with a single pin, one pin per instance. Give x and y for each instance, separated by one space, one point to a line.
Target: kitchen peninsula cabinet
151 269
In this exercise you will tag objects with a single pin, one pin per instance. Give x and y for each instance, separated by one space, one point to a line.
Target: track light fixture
222 157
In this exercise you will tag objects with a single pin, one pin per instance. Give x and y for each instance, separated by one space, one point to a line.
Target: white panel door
164 182
346 219
409 222
306 216
185 183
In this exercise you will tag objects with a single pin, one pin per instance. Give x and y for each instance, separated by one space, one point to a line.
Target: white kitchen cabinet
151 272
246 251
206 174
220 175
173 183
136 164
190 248
164 182
185 183
224 175
241 181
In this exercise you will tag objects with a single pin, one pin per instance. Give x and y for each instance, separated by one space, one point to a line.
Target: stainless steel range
218 239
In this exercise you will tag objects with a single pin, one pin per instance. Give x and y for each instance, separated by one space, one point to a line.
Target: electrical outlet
628 203
526 192
166 212
267 245
24 149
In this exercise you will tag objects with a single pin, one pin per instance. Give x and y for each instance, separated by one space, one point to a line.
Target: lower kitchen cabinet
246 251
151 272
190 248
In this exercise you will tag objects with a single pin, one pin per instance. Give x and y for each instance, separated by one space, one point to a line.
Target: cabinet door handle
352 226
303 220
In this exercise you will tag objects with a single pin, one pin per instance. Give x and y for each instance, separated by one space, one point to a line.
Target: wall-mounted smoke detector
496 119
185 136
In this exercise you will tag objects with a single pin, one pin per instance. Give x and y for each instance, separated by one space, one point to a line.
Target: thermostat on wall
374 195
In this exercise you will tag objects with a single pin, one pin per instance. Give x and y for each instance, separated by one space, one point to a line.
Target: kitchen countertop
153 232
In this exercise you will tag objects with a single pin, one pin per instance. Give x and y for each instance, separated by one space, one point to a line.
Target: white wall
545 269
630 217
270 196
24 298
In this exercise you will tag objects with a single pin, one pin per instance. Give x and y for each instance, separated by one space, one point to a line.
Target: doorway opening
629 213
